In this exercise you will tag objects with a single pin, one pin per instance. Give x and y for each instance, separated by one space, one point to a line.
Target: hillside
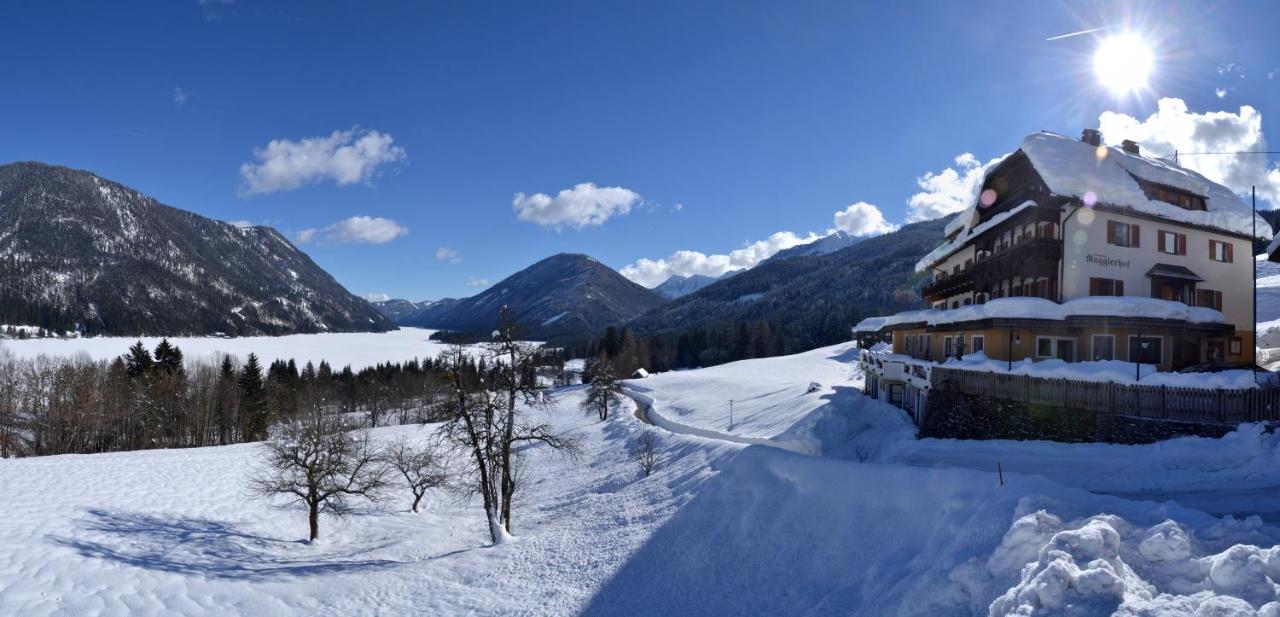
733 520
563 297
679 286
815 298
79 251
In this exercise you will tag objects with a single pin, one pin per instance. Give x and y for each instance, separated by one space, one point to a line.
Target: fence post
1164 401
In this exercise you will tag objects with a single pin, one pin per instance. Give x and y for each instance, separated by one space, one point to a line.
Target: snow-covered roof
948 248
1073 168
1040 308
870 324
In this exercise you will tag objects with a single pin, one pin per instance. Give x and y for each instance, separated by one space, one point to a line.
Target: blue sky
704 127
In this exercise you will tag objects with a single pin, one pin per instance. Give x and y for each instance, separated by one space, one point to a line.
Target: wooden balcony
1028 254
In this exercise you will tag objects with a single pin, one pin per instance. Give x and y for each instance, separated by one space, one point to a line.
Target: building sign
1105 261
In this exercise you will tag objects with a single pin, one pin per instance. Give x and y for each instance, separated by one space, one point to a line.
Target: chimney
1130 146
1093 137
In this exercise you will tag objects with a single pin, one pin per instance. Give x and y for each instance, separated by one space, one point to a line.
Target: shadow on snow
184 545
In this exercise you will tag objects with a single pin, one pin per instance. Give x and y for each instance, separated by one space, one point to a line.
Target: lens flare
1123 63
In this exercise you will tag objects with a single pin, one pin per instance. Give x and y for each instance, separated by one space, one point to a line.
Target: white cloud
950 190
180 96
448 255
357 229
650 272
1174 128
859 219
377 297
585 205
346 157
678 207
241 223
862 219
1220 92
475 282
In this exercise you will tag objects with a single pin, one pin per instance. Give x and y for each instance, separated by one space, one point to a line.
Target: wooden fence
1199 405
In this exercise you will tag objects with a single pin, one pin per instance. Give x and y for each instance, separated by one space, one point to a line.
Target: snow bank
1113 371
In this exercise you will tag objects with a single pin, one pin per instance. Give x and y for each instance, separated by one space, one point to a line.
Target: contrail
1067 36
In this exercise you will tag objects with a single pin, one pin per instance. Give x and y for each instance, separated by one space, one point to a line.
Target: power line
1226 153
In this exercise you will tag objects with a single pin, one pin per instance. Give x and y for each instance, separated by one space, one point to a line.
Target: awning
1171 271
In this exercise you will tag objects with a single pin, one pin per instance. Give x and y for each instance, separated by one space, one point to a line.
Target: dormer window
1170 195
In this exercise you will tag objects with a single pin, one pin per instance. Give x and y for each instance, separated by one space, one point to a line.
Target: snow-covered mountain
822 246
80 251
396 308
678 285
564 296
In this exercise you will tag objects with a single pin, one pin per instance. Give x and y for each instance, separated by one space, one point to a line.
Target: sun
1123 63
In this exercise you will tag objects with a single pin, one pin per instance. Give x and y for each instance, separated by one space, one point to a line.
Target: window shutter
1119 288
1134 236
1229 247
1182 244
1161 243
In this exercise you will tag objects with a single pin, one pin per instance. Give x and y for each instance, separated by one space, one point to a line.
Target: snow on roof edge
1040 308
947 249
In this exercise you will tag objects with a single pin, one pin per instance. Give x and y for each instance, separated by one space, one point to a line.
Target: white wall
1086 234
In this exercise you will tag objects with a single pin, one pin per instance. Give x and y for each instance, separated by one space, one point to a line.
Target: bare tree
317 462
645 450
422 466
484 419
604 390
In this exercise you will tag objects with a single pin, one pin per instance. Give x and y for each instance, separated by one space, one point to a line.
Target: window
1060 348
1146 349
1215 350
1172 243
1234 345
979 343
1221 251
1122 234
1170 195
1103 346
1209 298
1105 287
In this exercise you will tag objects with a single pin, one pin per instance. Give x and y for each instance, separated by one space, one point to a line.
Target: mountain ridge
562 297
82 252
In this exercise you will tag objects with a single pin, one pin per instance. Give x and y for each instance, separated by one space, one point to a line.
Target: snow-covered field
357 349
877 523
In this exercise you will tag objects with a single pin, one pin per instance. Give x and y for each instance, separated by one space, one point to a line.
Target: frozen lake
358 349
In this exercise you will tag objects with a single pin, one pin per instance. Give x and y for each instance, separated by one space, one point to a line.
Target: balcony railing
1022 248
